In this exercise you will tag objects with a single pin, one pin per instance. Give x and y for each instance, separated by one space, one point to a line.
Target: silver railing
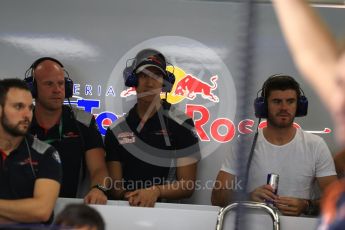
252 205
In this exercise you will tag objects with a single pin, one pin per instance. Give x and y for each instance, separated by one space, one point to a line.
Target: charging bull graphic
186 86
128 92
190 86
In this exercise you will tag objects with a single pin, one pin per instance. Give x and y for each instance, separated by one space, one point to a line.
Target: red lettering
205 116
215 130
245 125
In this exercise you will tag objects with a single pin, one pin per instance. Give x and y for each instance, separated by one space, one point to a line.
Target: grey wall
95 38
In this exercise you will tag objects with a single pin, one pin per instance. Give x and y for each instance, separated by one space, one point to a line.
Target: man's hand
263 193
143 197
291 206
95 196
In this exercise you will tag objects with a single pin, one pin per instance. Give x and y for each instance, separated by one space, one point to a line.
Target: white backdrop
94 39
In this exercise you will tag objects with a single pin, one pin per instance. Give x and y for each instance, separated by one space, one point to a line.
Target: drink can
273 180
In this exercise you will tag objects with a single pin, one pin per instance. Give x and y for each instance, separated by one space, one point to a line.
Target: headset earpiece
129 77
68 87
260 107
169 81
32 85
302 106
30 79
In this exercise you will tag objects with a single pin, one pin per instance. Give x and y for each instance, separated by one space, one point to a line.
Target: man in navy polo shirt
153 150
30 170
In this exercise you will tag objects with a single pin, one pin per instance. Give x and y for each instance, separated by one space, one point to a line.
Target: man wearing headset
322 63
30 170
296 156
72 132
152 151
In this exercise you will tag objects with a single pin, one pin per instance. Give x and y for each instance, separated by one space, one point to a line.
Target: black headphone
260 103
142 58
30 79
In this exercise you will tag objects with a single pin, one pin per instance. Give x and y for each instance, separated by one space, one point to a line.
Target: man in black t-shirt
73 133
152 152
30 170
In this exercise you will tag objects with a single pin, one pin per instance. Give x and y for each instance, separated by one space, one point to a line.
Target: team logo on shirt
56 157
70 134
162 132
126 138
28 161
194 132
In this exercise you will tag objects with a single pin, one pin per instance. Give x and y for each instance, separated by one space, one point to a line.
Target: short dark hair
8 83
77 215
280 82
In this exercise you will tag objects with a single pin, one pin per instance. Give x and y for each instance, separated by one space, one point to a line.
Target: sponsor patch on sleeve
126 138
56 157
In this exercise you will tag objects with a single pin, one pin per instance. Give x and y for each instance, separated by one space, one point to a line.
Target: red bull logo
190 87
186 86
128 92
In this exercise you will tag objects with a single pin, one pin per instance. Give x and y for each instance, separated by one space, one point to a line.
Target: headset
30 77
148 57
260 103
